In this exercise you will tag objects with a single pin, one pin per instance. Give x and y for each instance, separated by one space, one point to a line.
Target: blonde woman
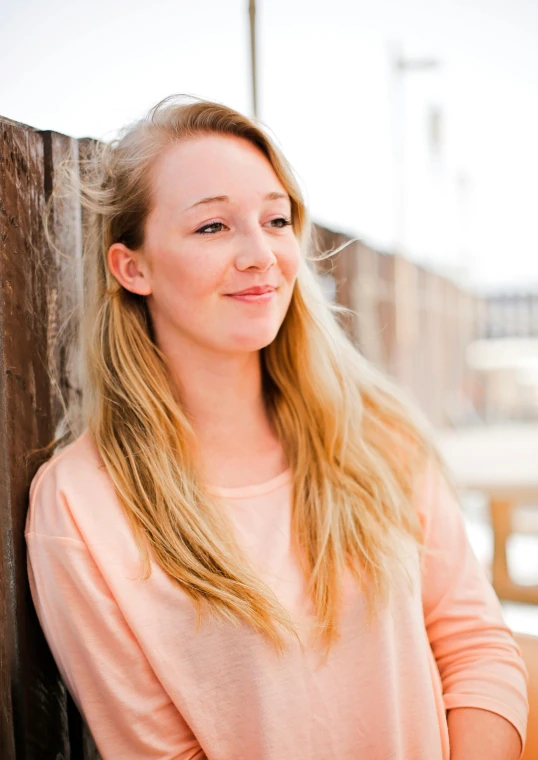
251 551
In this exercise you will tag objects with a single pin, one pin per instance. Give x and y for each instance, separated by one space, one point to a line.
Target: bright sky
86 69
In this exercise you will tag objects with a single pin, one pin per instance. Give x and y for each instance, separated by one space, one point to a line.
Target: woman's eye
208 229
202 230
285 221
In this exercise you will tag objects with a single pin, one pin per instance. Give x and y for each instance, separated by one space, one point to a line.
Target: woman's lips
256 294
253 297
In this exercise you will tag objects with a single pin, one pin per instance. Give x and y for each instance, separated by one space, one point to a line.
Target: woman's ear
129 269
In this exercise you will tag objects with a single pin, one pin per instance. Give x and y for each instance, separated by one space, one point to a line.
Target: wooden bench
502 463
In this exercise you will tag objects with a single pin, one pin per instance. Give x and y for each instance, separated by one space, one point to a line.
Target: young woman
251 551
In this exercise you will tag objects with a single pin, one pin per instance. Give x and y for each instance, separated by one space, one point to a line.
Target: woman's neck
224 401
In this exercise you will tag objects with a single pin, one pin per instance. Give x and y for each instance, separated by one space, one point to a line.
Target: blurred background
412 128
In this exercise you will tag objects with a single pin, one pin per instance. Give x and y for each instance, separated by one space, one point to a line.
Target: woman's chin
253 341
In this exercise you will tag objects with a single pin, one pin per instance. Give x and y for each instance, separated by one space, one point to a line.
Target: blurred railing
509 314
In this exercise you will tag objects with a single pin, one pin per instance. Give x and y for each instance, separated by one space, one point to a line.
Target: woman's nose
254 250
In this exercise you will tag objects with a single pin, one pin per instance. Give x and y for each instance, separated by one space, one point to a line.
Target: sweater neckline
258 489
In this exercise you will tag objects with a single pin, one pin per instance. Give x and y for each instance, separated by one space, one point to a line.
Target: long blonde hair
352 441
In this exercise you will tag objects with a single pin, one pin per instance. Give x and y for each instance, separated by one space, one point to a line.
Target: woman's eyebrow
226 199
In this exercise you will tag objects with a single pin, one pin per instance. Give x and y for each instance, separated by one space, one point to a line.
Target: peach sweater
151 688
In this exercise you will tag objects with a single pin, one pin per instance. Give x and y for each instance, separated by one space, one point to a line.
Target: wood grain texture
64 292
64 282
41 286
34 723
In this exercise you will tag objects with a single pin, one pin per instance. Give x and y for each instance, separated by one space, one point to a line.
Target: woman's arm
483 675
128 712
481 735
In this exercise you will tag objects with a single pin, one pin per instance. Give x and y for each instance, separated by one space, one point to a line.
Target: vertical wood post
38 287
34 713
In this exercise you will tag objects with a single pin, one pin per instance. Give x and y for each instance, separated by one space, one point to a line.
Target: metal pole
252 17
404 284
398 67
397 127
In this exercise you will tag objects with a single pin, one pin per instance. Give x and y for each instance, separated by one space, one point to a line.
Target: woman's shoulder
79 458
64 485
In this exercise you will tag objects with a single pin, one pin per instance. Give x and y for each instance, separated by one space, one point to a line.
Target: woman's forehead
210 166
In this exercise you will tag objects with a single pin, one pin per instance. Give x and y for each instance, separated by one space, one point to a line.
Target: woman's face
220 225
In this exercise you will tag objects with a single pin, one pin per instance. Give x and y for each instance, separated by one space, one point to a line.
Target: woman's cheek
196 278
289 261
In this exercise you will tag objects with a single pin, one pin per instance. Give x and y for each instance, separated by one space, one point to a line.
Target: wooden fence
38 720
409 321
412 322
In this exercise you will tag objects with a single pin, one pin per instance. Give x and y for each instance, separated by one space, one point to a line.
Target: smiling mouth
258 290
254 295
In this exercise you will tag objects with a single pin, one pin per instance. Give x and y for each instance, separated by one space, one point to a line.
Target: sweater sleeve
479 661
125 706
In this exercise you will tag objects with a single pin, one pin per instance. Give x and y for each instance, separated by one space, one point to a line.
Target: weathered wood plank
64 298
41 287
34 721
64 283
82 743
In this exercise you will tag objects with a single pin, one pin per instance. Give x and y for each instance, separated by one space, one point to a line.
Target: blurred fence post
411 322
